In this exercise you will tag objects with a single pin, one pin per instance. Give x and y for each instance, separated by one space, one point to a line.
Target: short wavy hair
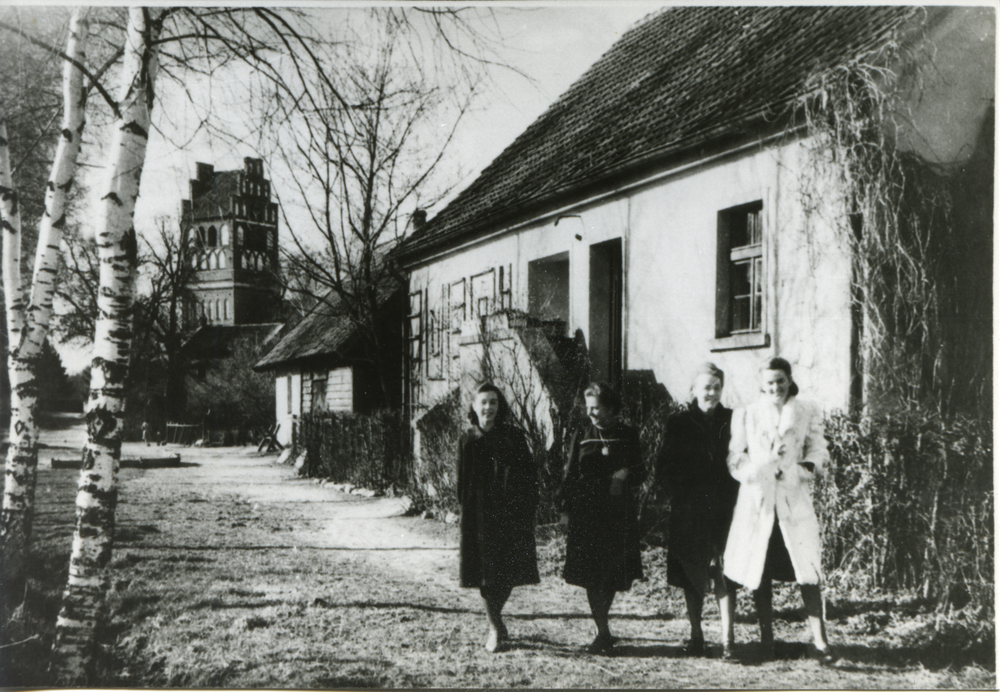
504 415
605 393
708 368
784 366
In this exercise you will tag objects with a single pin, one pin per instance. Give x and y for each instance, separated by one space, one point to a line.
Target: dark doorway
605 343
548 288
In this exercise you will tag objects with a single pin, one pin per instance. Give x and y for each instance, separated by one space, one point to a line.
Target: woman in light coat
776 449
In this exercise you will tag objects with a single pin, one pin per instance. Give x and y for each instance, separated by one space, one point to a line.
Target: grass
209 589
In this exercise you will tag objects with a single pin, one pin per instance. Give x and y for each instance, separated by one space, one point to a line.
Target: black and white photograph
556 344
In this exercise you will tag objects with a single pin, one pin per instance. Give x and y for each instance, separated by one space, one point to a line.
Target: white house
677 206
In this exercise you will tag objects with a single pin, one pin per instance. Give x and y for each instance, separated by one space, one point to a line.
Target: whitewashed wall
669 230
286 416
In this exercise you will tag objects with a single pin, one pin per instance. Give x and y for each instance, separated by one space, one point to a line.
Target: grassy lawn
213 584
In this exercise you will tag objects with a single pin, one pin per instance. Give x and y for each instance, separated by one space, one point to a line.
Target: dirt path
230 571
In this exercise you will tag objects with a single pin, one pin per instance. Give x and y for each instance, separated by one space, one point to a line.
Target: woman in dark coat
498 494
692 469
603 469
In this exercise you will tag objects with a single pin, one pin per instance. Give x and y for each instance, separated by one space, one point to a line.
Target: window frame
729 257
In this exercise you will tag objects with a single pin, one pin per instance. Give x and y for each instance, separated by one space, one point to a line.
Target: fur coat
767 453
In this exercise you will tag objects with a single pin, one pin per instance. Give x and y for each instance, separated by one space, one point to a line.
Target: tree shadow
585 616
219 604
323 603
934 657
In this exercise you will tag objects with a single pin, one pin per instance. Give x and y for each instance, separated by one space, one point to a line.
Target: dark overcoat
498 494
692 470
602 544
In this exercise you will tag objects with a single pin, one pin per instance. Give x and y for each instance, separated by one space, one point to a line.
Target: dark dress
692 469
498 493
602 546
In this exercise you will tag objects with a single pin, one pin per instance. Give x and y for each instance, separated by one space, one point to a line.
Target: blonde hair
708 368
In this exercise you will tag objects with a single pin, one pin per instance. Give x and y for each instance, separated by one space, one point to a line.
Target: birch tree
28 316
117 249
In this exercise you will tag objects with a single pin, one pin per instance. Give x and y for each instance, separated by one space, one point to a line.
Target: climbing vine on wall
921 255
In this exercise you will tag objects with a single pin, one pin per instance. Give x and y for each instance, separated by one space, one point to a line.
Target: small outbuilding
327 362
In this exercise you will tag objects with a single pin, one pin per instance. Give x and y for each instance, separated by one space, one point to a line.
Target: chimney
419 219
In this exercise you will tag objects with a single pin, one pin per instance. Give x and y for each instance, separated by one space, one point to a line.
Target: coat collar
784 421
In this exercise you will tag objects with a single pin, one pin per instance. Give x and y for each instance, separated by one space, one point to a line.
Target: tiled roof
214 340
217 200
682 79
323 332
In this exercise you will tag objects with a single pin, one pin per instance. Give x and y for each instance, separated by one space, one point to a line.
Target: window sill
737 342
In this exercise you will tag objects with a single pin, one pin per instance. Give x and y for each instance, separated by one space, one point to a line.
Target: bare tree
28 315
282 49
166 267
76 289
359 156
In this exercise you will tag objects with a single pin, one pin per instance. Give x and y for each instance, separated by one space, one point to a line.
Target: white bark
27 328
97 490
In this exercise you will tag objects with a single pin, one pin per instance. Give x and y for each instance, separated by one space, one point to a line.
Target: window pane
756 313
741 314
739 279
318 396
738 229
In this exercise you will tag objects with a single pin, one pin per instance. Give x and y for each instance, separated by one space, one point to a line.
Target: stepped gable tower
233 226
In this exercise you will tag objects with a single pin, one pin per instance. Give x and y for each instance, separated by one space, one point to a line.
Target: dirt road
230 571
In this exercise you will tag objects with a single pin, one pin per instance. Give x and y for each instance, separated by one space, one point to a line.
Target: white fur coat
766 452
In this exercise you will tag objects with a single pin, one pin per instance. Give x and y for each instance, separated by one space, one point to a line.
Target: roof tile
679 78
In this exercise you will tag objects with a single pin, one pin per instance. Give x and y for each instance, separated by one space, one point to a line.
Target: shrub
363 449
434 483
908 505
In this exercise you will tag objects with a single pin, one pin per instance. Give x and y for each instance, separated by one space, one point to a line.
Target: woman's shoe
727 653
694 647
825 657
767 651
601 645
493 641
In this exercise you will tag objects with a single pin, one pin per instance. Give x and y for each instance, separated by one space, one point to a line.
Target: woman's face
486 406
707 391
600 414
775 384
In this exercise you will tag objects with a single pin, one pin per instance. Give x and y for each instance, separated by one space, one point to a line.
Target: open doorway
605 339
548 289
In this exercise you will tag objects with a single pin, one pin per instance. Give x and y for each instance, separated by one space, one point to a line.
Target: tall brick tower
233 225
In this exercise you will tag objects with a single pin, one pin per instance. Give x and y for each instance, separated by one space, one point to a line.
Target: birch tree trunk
27 328
116 241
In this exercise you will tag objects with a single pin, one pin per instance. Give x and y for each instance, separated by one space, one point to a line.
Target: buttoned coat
602 541
767 450
692 470
498 493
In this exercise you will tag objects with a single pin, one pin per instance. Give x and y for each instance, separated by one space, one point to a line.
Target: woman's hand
618 481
